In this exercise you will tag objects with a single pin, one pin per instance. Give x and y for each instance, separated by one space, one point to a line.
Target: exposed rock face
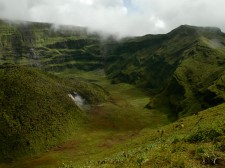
79 101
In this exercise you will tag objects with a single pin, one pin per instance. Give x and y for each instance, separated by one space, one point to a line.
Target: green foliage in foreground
197 141
36 112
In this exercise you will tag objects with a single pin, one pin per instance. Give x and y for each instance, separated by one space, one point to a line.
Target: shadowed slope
182 70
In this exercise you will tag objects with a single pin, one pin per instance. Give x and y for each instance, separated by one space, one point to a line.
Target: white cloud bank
122 17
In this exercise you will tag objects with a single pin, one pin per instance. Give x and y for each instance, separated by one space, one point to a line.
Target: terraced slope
53 48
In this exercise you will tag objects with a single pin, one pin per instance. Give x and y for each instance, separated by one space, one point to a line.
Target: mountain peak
187 29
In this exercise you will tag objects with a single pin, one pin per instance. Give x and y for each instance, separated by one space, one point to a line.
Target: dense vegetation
53 48
36 111
183 71
173 75
196 141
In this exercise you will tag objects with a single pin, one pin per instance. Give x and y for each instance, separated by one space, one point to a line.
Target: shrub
204 135
207 155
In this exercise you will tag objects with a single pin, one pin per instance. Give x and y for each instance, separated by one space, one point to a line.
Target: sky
120 17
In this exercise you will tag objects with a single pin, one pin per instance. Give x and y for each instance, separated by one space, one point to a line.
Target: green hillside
150 101
36 112
53 48
183 71
196 141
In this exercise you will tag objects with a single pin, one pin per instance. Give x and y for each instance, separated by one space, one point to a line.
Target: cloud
122 17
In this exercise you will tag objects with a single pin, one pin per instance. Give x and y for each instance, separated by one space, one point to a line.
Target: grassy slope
195 141
36 111
108 125
110 141
163 64
180 70
116 140
126 109
112 138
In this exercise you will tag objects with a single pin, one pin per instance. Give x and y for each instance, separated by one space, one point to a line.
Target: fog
120 17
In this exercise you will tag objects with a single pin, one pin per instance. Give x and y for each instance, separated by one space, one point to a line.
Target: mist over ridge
121 17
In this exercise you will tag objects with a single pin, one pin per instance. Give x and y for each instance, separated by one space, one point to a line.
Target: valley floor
109 127
122 133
